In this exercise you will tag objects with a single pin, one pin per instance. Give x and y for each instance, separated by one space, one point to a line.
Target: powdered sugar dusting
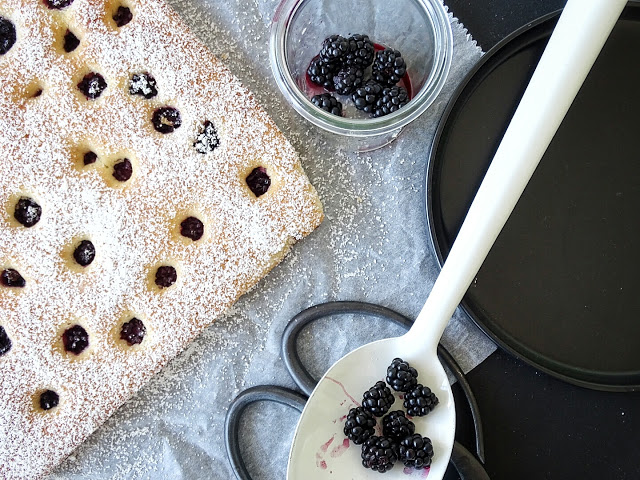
132 225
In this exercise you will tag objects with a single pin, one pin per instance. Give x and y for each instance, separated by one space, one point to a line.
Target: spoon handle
573 47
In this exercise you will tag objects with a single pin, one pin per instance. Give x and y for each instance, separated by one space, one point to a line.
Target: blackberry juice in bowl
361 69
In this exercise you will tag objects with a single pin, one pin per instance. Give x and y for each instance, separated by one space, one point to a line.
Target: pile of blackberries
340 67
398 441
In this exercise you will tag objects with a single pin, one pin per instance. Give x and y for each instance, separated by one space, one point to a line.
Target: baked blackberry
361 51
71 42
388 67
122 170
366 96
5 341
207 140
122 16
328 103
192 227
397 426
27 212
57 4
84 253
166 119
391 99
7 35
133 331
401 376
378 399
89 158
49 399
347 80
166 276
359 425
321 73
92 85
143 84
415 451
419 401
334 49
75 339
258 181
12 278
379 454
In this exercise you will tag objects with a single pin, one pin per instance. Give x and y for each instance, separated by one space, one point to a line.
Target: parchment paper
373 246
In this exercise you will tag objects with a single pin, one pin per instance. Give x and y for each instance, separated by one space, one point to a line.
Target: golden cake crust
134 225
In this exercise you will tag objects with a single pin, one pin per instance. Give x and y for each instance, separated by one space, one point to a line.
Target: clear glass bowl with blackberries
361 69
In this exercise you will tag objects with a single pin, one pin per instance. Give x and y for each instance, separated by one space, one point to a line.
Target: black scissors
465 463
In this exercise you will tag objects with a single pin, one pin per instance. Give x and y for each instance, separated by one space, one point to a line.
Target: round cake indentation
122 16
92 85
12 278
133 331
166 276
27 212
192 227
75 339
208 139
7 35
258 181
122 170
48 400
166 119
84 253
5 341
143 84
70 41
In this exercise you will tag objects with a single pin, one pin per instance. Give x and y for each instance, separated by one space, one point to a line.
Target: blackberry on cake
7 35
11 278
359 425
5 341
328 103
143 84
133 331
207 140
27 212
84 253
71 42
92 85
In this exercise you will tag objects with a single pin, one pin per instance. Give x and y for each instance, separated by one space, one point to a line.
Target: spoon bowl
320 450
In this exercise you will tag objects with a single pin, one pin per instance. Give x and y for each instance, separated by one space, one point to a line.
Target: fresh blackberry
396 426
122 170
5 341
379 454
71 42
415 451
347 80
361 51
328 103
84 253
166 119
27 212
122 16
258 181
75 339
420 401
207 140
391 99
401 376
143 84
166 276
321 73
49 399
7 35
378 399
92 85
12 278
388 67
366 96
133 331
334 49
192 227
359 425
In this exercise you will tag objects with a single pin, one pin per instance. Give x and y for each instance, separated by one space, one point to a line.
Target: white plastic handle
577 39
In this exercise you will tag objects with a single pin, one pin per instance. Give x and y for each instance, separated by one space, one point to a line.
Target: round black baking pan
560 287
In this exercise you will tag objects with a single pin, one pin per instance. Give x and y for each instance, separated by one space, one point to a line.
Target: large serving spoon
320 450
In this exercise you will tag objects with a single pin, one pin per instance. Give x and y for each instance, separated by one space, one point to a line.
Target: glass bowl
419 29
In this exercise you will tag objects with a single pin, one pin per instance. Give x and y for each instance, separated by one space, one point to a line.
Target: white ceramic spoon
320 450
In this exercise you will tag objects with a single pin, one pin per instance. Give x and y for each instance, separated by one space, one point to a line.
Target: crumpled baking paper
373 246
